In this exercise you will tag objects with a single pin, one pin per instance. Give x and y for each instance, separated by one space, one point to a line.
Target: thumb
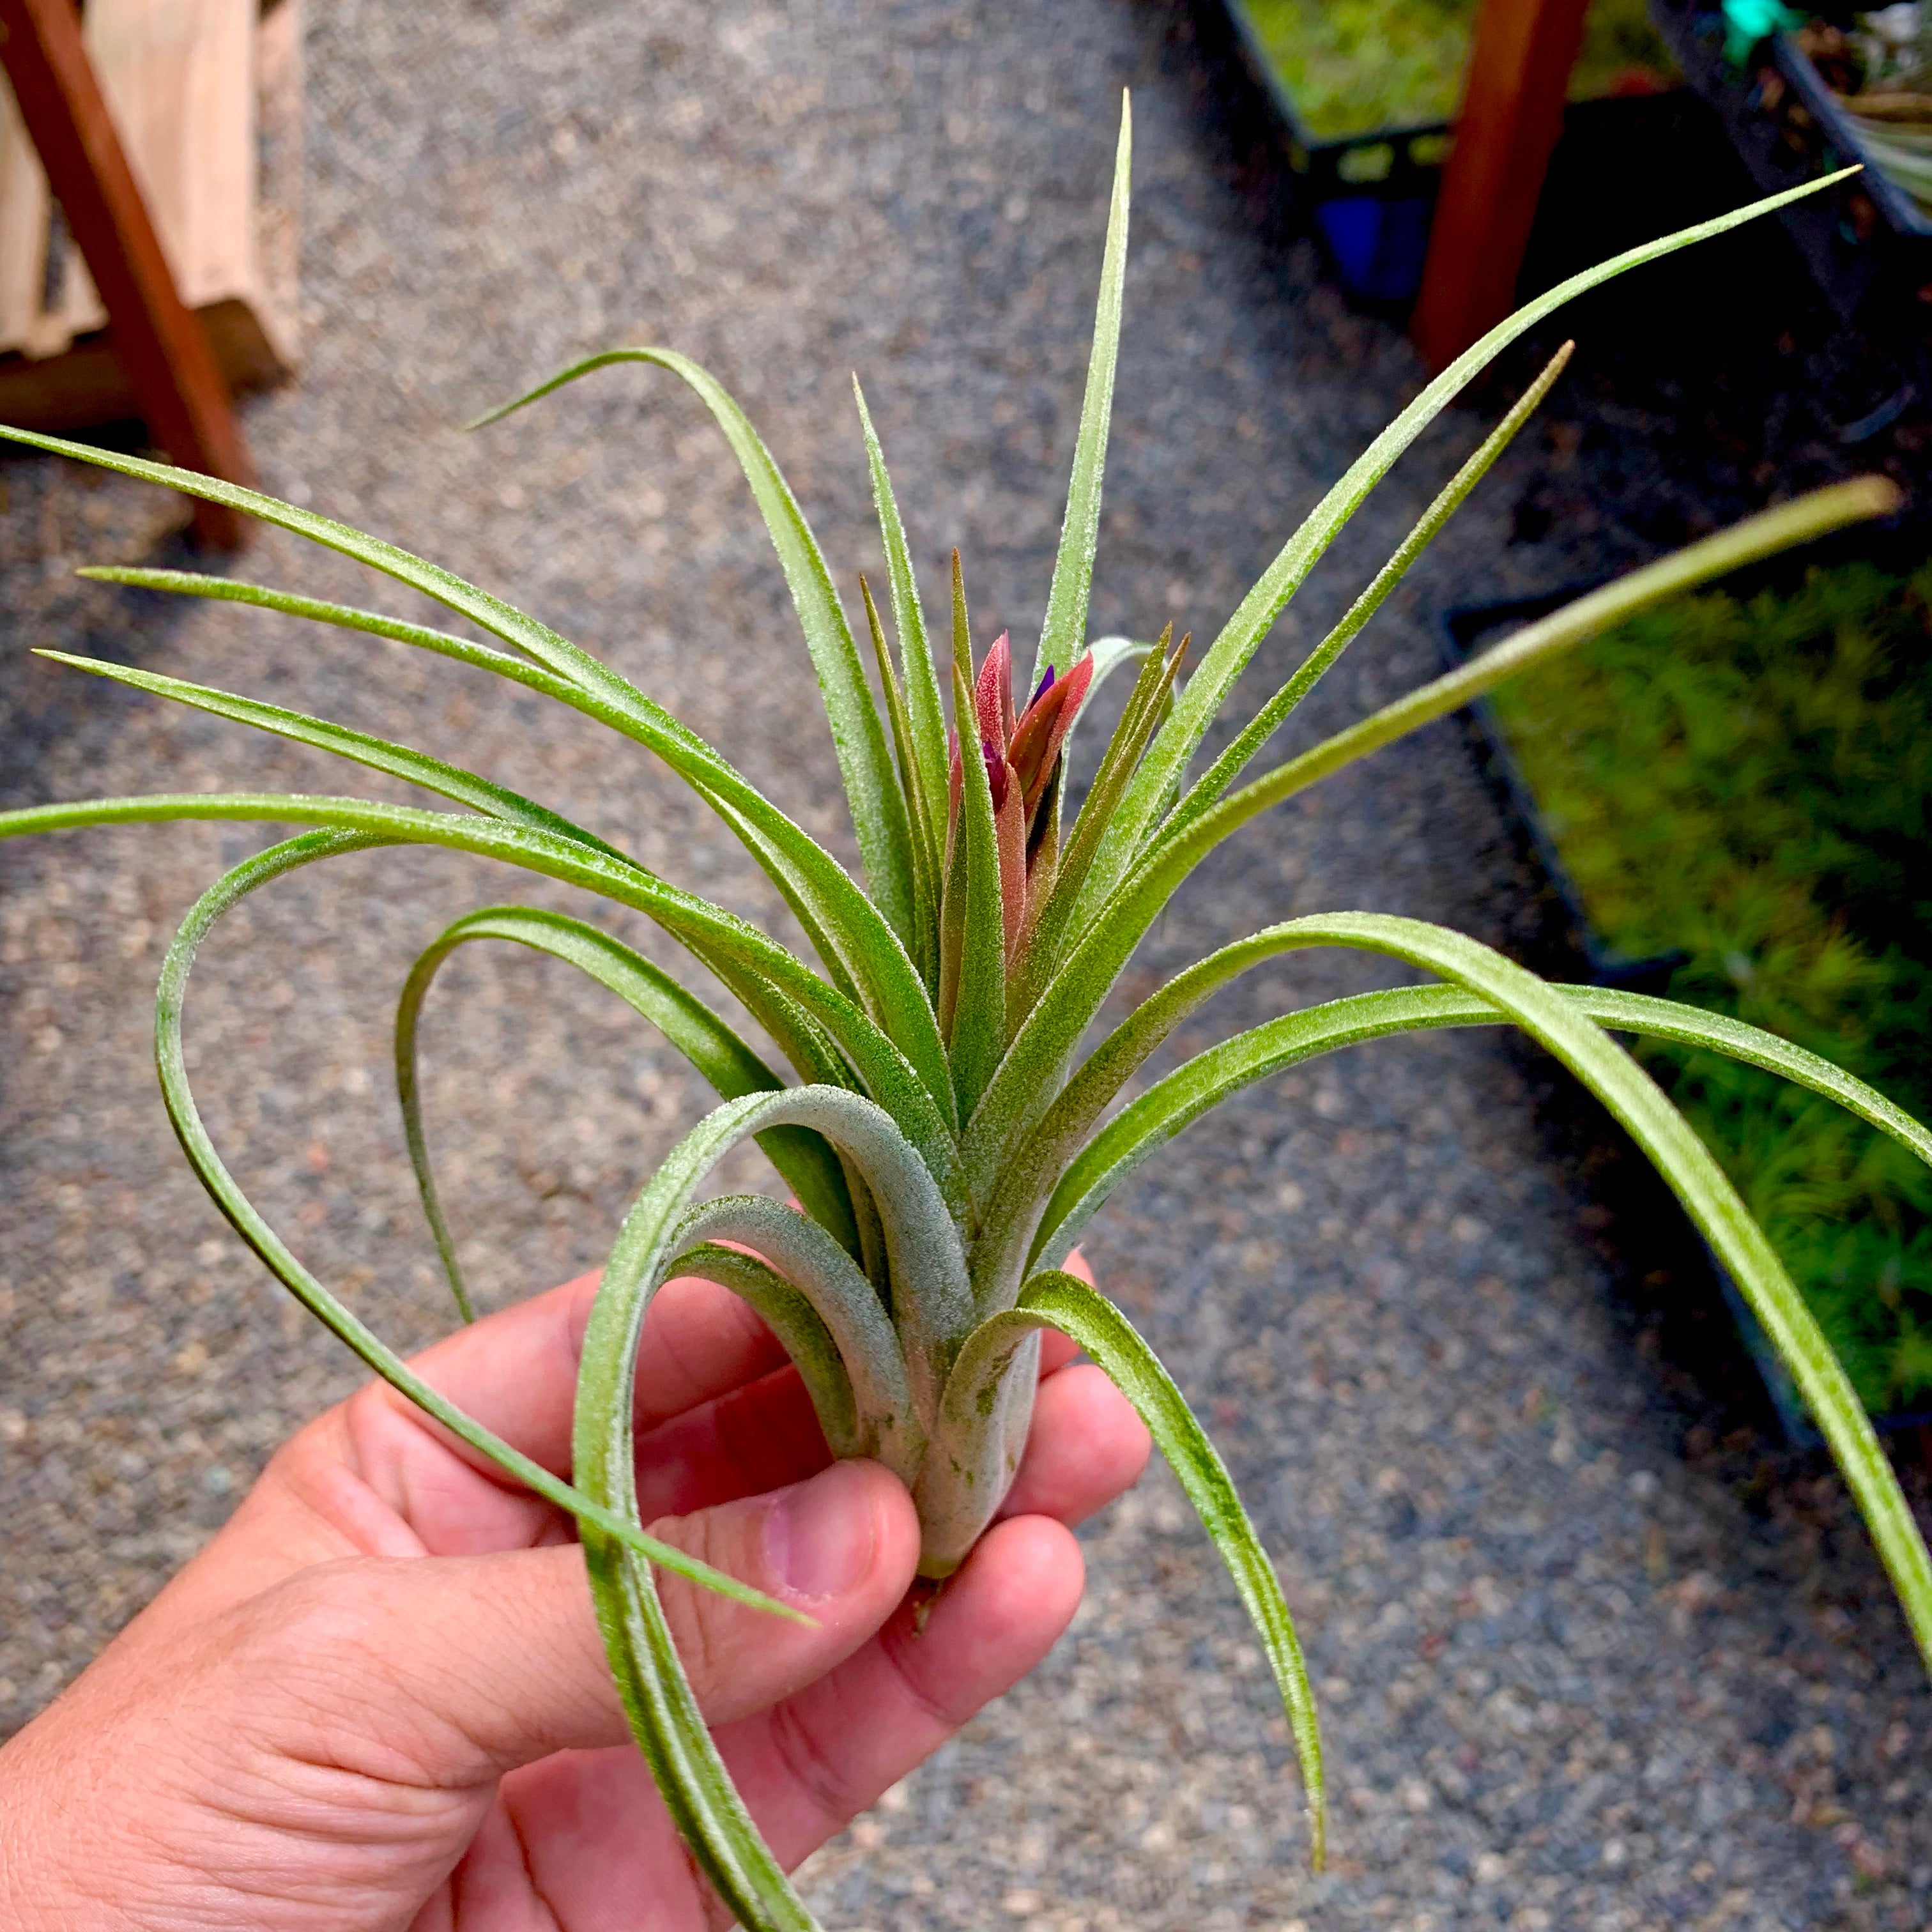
451 1671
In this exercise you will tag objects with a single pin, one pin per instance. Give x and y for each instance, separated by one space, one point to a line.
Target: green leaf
1273 715
1207 690
810 890
926 861
378 753
1109 655
808 1166
593 1517
877 1392
791 1318
1063 637
978 1441
1201 1084
1638 1104
499 619
977 1034
663 1713
860 949
800 1334
747 960
1035 1062
878 814
697 1787
671 1732
230 590
927 715
1057 1301
1811 516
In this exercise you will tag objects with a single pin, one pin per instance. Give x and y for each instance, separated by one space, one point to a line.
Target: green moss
1353 66
1751 783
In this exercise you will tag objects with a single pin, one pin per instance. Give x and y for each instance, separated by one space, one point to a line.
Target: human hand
378 1700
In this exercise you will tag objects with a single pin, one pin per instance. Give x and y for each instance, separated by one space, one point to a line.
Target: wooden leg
160 343
1512 113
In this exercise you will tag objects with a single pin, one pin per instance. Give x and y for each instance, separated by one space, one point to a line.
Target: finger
808 1767
757 1438
447 1671
515 1371
1057 1350
377 1476
1086 1445
842 1546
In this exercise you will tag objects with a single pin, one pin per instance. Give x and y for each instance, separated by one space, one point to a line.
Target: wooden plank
176 76
86 384
24 203
163 346
1511 115
217 151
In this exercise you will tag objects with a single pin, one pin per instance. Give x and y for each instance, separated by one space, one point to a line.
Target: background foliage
1749 781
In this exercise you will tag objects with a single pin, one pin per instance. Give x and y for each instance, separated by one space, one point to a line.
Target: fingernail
819 1534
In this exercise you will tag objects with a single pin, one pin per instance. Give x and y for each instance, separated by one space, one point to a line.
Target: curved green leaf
1638 1104
1196 1088
1057 1301
807 1164
171 1061
858 1330
664 1716
860 949
791 1318
878 813
696 1787
378 753
741 954
1159 775
1063 634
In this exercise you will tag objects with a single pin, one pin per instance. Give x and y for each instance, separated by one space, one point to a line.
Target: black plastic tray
1371 195
1867 243
1461 632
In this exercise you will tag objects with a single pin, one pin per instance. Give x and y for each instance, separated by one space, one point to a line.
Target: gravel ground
1572 1675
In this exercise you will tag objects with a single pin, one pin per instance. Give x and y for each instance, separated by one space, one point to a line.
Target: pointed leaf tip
1063 631
993 691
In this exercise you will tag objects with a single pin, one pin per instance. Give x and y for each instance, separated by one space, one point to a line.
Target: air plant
942 1138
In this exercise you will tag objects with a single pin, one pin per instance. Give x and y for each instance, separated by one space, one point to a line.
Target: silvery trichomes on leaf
941 1135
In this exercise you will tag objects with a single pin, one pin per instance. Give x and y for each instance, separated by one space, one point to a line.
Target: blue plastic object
1378 243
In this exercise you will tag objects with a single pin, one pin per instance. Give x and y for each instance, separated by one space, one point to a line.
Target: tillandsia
943 1139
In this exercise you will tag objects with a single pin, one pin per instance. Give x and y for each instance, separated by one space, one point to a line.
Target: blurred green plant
1358 67
942 1134
1749 782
